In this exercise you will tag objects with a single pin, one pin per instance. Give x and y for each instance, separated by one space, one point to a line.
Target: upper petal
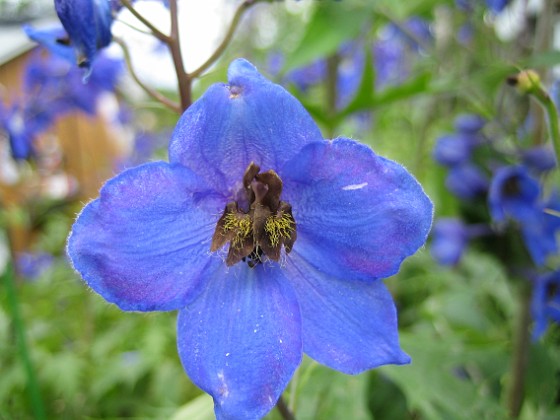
144 243
241 340
251 119
348 326
358 215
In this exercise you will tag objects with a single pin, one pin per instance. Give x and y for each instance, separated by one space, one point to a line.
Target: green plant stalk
32 383
529 82
520 354
552 119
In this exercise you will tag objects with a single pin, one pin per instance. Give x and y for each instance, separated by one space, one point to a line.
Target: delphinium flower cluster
508 206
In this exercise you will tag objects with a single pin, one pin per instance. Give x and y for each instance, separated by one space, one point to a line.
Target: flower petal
144 243
241 340
251 119
347 326
358 215
88 23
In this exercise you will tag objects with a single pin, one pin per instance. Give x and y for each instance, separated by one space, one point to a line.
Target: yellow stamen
240 224
278 227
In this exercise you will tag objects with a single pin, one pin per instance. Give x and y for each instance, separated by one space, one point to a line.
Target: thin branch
135 28
153 93
155 31
227 39
174 44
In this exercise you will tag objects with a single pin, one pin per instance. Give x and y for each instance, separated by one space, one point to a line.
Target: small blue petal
469 123
450 238
241 340
539 159
545 304
49 39
454 149
144 243
513 193
358 215
347 326
466 181
88 23
251 119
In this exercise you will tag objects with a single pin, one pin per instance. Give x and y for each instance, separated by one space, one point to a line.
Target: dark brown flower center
263 228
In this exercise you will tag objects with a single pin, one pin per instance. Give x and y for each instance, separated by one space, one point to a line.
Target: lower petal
241 340
347 326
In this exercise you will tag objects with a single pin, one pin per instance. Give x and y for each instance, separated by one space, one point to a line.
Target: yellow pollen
279 227
240 224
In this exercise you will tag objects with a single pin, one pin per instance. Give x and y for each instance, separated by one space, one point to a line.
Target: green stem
552 119
331 85
32 384
529 82
520 354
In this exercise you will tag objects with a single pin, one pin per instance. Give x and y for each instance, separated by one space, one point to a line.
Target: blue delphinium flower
515 194
545 305
31 265
88 24
312 225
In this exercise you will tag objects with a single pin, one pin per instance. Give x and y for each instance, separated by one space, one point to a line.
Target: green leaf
327 394
199 408
331 25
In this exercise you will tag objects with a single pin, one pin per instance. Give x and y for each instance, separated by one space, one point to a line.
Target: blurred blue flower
88 24
516 195
51 88
31 265
497 6
397 47
450 238
513 193
344 216
53 39
539 159
545 305
454 149
466 181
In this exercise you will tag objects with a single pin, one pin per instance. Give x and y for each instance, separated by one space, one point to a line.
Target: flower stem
151 92
243 7
284 410
529 82
174 45
520 354
155 31
32 384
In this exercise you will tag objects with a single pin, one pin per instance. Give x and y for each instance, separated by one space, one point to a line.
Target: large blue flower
153 241
88 24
